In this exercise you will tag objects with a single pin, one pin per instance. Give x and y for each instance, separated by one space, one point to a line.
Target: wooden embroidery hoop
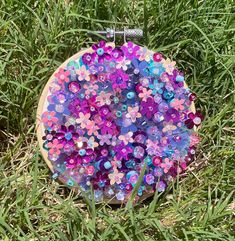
42 105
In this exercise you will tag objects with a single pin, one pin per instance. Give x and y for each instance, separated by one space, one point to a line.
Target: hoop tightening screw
126 33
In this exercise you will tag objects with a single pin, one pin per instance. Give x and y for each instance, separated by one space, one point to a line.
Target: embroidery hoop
40 128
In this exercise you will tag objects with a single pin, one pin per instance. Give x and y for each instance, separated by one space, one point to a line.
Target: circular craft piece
109 111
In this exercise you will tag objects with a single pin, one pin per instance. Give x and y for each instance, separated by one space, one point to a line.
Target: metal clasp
126 33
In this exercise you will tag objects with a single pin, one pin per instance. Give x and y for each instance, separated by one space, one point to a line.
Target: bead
140 191
116 100
100 51
70 182
119 113
107 165
103 165
68 136
179 78
148 160
130 95
124 107
82 152
168 95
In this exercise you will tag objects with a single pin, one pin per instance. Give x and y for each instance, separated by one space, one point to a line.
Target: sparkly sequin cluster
113 110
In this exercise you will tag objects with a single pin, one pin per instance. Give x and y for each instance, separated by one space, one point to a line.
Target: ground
35 38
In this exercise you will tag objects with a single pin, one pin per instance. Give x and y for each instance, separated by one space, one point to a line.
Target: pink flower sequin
168 65
104 98
178 104
133 113
83 119
83 74
115 177
166 165
90 89
62 76
92 128
145 94
126 138
49 118
54 147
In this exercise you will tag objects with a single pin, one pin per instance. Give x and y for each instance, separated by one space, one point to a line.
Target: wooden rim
42 105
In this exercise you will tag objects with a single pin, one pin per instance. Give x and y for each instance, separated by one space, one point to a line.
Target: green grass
35 38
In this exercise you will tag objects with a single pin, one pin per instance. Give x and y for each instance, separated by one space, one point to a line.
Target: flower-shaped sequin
62 76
